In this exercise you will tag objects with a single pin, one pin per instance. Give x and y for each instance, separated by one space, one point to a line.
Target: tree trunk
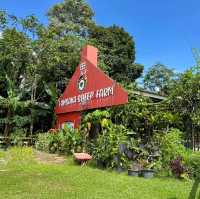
7 126
31 125
188 130
193 139
33 97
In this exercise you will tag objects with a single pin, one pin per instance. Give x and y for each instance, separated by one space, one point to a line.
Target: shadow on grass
193 192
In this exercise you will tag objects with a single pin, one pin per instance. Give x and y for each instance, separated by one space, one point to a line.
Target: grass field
23 178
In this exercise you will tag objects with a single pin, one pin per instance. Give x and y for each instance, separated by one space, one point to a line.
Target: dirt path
47 158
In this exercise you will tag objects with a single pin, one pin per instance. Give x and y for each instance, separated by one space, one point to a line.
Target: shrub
17 138
177 167
70 141
193 164
65 141
43 142
171 147
94 122
107 148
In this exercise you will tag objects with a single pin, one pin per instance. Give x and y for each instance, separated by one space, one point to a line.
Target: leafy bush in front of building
43 142
70 141
66 141
108 147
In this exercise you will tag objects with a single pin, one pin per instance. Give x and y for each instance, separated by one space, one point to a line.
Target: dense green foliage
159 79
184 101
106 148
39 60
170 146
193 163
114 146
117 52
66 141
71 17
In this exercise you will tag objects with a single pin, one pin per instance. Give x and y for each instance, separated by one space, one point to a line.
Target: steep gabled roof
90 87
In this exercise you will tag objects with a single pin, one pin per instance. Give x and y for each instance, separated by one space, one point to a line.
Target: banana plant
9 105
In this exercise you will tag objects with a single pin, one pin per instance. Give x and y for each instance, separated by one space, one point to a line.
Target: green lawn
20 179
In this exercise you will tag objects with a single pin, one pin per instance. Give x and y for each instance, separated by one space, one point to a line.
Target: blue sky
164 31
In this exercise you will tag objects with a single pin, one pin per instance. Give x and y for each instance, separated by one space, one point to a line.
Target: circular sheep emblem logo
81 83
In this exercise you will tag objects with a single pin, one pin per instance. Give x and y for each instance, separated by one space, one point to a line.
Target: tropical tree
57 59
3 19
117 52
30 24
11 106
21 65
185 100
14 55
71 17
159 79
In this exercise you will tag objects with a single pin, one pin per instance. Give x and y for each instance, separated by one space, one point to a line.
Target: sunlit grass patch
24 178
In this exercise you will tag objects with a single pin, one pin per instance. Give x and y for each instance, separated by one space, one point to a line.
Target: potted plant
132 149
135 170
120 163
148 171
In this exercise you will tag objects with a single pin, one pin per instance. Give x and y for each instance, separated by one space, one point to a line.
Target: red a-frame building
89 88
